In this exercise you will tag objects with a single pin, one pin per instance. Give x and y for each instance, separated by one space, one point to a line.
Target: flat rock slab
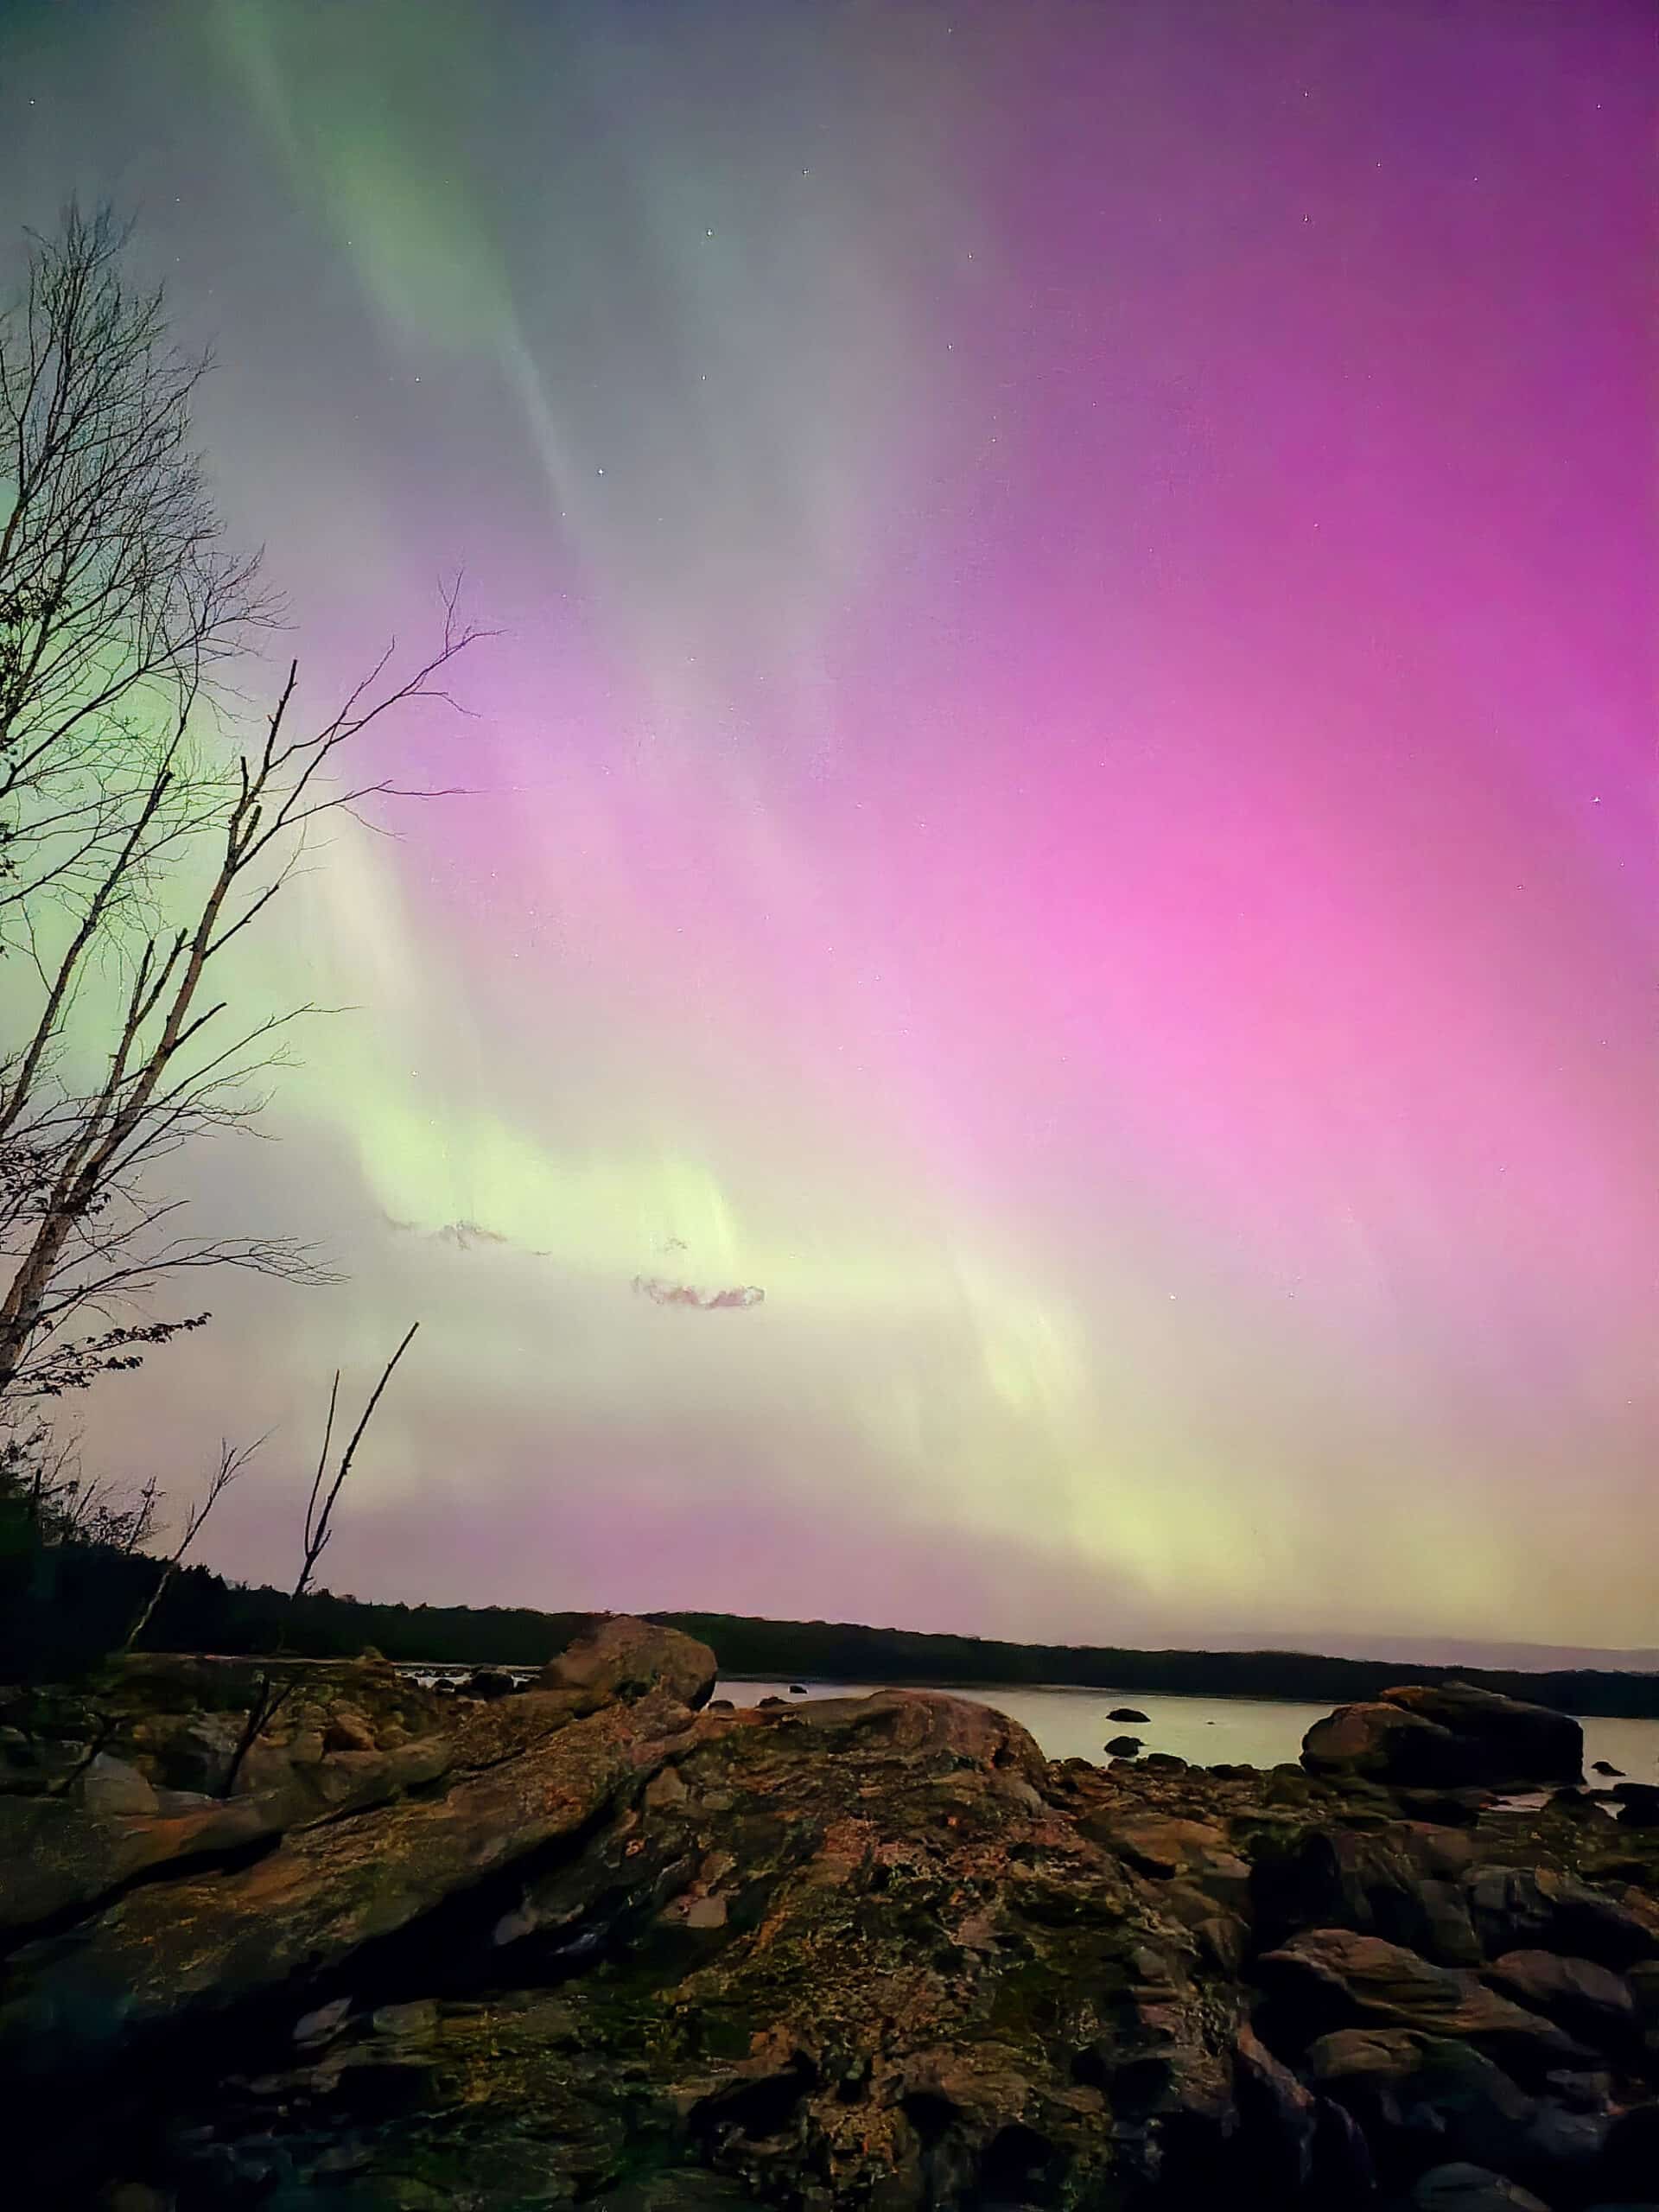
210 1943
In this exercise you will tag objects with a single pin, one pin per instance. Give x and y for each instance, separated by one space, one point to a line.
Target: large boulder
1419 2096
623 1657
1396 1882
1527 1908
927 1730
1588 2000
1380 1741
1447 1734
1330 1977
1500 1739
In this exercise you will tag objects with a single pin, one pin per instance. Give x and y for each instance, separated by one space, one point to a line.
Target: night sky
1066 789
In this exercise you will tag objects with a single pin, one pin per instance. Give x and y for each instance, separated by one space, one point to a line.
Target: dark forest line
62 1608
843 1652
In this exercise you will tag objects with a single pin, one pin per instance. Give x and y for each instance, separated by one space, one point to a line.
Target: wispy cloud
705 1301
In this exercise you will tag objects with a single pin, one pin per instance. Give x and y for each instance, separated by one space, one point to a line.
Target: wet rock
1122 1747
1604 1766
1126 1713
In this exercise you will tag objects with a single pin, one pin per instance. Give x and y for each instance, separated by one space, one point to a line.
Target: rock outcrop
1447 1735
598 1943
623 1658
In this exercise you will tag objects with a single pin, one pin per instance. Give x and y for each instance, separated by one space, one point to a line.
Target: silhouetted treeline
842 1651
62 1608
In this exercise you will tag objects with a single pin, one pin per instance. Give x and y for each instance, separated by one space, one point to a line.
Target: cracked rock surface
596 1943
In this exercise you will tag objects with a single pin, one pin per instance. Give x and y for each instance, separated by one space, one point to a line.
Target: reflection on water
1205 1731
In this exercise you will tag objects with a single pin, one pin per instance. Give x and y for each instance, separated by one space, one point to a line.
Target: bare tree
271 1693
138 839
117 600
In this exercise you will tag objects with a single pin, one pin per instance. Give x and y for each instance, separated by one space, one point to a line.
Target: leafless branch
269 1693
123 621
232 1458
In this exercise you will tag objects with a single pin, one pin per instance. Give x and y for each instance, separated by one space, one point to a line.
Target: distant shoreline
85 1597
1102 1689
1592 1708
1013 1689
833 1651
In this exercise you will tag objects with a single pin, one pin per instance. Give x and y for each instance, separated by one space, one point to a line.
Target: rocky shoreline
595 1943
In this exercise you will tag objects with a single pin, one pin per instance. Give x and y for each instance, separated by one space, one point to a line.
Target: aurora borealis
1065 789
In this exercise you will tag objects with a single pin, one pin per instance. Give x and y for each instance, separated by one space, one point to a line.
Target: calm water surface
1207 1731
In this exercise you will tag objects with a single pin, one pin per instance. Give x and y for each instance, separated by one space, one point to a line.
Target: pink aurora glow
1114 757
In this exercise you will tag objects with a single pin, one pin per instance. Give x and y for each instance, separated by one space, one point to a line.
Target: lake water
1204 1730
